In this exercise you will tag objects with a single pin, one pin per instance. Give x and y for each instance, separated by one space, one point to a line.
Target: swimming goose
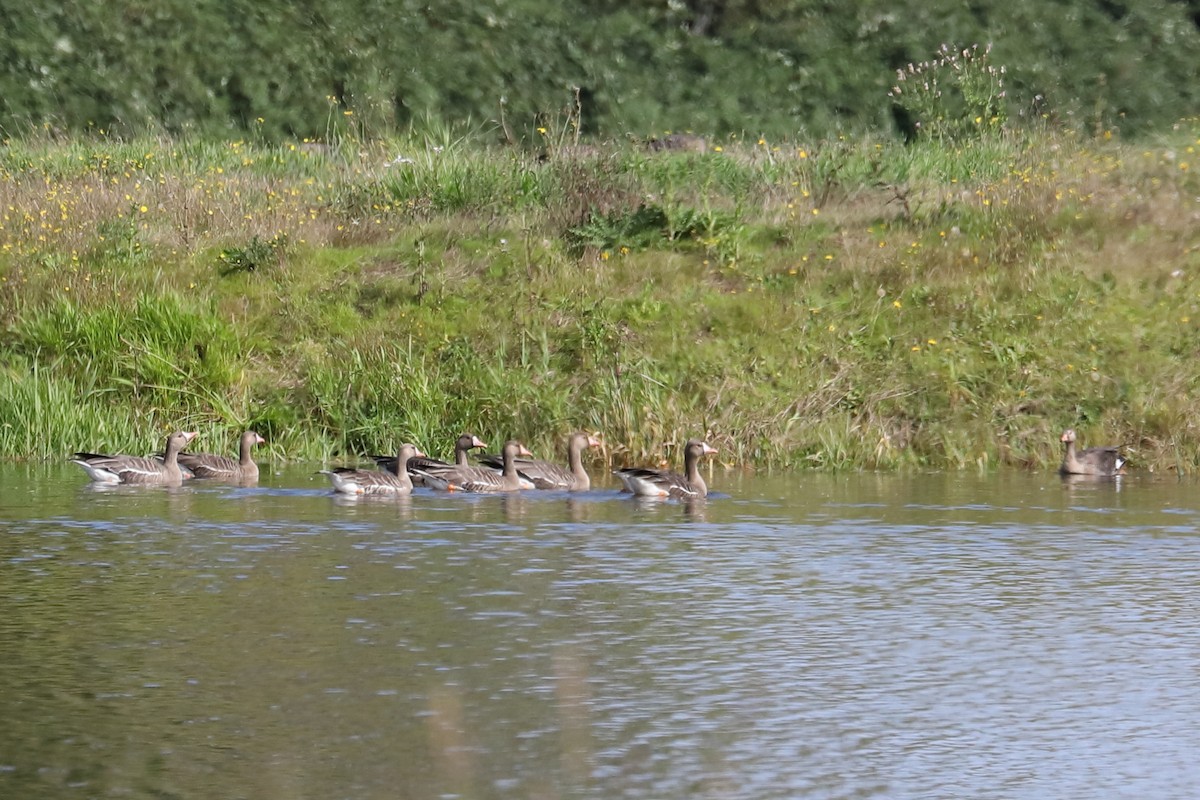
461 447
347 480
547 475
465 478
1092 461
137 469
646 482
209 465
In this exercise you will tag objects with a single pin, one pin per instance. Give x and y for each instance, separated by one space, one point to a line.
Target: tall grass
47 417
153 352
834 304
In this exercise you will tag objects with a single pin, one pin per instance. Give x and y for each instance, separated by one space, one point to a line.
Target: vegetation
274 70
834 303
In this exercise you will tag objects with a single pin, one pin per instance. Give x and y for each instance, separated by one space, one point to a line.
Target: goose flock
513 469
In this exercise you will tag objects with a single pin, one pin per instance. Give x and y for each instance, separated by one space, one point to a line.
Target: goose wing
210 465
347 480
1106 460
121 468
455 478
645 482
537 473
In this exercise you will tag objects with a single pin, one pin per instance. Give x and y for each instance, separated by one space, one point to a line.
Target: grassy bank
831 304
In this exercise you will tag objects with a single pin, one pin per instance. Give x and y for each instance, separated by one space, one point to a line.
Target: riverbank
852 303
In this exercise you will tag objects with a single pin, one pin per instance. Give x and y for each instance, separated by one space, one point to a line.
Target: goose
137 469
465 443
548 475
347 480
465 478
1092 461
209 465
646 482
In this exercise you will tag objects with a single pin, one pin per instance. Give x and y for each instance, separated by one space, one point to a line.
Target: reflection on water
1113 481
869 636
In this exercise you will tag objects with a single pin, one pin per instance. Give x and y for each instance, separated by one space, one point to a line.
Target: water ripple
818 636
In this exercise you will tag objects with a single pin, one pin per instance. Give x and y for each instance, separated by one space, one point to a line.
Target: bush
339 70
955 96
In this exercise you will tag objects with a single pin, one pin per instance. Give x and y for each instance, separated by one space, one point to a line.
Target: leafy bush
956 95
633 229
354 70
651 225
255 255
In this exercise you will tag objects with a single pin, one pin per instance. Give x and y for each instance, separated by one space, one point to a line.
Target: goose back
137 469
417 464
647 482
1101 461
548 475
351 481
211 465
466 478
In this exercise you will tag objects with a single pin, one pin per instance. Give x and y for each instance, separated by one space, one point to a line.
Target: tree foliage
773 67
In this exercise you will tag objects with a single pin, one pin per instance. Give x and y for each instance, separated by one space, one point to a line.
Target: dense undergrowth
843 303
272 70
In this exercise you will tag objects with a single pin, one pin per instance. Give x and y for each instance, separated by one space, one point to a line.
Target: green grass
845 304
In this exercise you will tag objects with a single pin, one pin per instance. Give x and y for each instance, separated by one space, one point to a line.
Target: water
816 636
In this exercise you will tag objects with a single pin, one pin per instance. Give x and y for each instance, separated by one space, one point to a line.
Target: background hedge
277 69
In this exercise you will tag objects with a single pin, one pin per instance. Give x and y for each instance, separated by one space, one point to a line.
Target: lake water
804 635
